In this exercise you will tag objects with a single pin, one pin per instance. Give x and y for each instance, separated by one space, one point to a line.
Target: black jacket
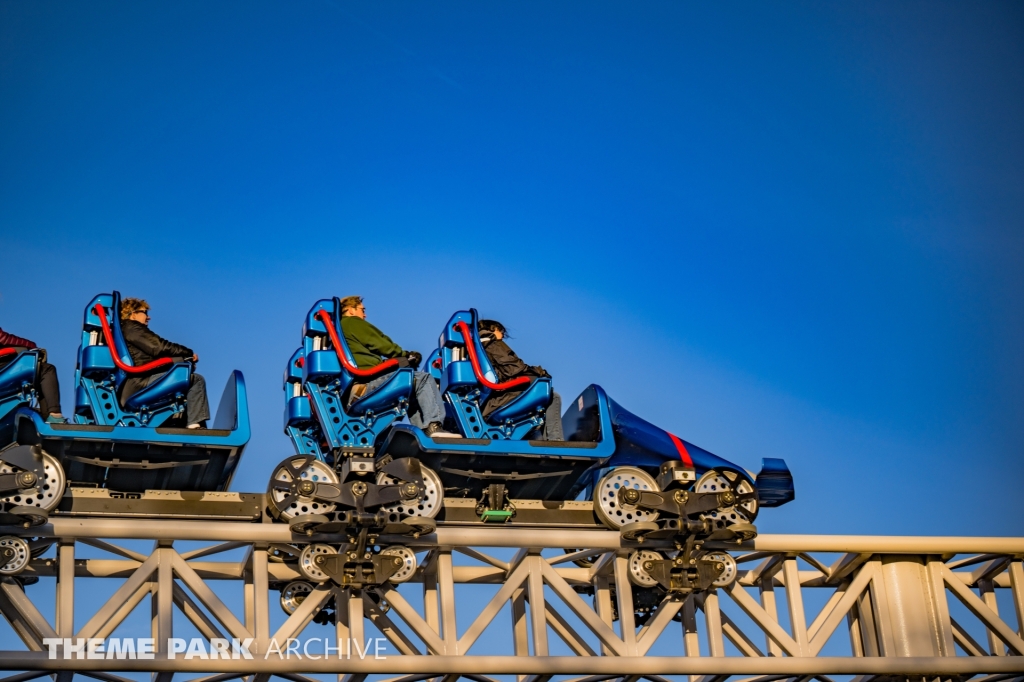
145 346
507 365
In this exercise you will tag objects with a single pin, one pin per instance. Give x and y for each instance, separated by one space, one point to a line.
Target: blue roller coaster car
350 416
125 445
639 476
334 422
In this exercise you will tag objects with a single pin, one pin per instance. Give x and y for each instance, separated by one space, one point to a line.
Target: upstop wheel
293 594
307 562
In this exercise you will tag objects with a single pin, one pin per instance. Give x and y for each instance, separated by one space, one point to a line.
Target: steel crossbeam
801 606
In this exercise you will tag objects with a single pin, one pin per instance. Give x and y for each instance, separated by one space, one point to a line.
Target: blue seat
330 376
104 364
17 387
468 380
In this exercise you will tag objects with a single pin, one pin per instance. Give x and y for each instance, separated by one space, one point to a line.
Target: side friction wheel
609 509
285 501
46 494
307 562
718 481
428 505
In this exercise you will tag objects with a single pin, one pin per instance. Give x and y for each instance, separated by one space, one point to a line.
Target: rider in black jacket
46 378
145 346
508 366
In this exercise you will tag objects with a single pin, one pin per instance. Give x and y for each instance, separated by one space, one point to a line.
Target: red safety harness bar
325 317
109 338
463 329
8 351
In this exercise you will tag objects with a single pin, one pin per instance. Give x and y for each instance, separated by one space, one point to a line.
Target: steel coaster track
889 597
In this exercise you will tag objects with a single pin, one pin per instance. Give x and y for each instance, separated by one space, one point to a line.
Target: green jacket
367 343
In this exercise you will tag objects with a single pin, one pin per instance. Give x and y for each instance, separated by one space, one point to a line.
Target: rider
369 345
46 378
145 346
508 366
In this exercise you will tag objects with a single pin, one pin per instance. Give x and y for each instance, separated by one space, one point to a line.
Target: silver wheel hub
46 493
408 558
638 562
303 505
293 594
308 565
427 505
609 506
17 552
729 574
715 481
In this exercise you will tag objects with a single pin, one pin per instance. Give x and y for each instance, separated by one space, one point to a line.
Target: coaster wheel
293 594
286 502
14 555
728 575
307 562
409 563
724 480
428 505
638 574
610 510
45 494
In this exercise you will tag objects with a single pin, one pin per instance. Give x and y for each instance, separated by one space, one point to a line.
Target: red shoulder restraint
325 317
463 329
109 338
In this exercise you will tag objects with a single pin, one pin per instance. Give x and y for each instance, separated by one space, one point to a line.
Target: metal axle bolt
631 495
306 487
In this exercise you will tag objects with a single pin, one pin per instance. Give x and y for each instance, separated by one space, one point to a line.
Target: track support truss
512 601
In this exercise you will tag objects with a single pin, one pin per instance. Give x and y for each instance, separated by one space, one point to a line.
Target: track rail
905 606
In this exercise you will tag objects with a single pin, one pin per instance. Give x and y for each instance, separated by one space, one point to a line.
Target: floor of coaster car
540 477
136 468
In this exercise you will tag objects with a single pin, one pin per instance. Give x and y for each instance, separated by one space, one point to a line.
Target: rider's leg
49 390
553 419
197 407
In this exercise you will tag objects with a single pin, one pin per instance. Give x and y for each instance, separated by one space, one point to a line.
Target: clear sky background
788 229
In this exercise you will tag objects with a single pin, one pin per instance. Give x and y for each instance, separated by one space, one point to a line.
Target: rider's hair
130 306
350 303
491 326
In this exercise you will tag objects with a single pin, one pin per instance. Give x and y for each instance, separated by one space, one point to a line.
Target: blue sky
789 230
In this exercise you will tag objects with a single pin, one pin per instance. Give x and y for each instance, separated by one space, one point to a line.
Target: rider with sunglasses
145 346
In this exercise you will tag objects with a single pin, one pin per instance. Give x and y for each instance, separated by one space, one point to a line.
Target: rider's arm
374 339
12 340
153 345
506 363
